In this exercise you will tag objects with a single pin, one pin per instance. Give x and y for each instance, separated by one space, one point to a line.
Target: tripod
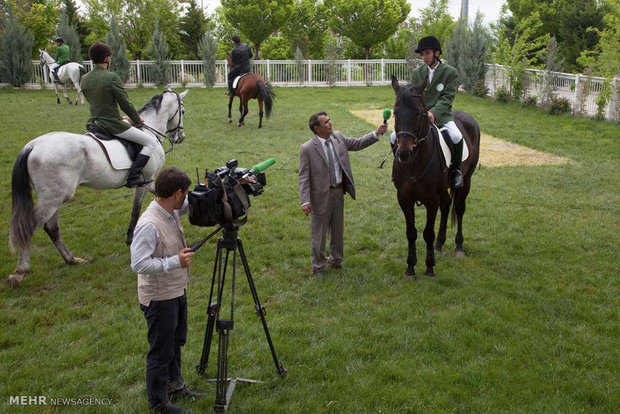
229 242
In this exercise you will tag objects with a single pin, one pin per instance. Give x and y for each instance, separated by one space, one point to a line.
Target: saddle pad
237 80
115 152
447 155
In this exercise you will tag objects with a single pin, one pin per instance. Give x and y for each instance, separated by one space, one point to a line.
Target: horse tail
82 71
268 96
22 221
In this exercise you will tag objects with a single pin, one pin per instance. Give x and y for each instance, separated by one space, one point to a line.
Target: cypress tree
69 34
120 60
207 50
15 52
158 49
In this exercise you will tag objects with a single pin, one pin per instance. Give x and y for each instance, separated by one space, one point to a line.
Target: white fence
580 90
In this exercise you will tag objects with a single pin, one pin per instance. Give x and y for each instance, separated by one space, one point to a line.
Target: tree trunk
367 51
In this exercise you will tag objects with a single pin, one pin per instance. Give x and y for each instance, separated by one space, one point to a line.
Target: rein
417 140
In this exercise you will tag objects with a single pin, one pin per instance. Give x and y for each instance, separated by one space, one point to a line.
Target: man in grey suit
324 176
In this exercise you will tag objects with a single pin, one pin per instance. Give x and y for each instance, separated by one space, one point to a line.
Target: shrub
502 95
559 106
530 101
480 89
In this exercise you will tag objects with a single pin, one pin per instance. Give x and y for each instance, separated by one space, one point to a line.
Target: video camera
223 198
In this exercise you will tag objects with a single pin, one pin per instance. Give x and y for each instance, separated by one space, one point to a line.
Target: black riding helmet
428 42
98 52
59 39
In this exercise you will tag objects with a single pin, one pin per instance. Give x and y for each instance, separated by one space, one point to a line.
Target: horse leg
459 208
429 236
66 95
23 267
138 198
57 95
444 207
229 108
407 206
52 228
260 111
244 112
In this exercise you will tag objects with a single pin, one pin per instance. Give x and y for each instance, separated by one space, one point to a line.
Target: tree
158 50
467 50
207 49
435 20
15 53
366 22
277 48
396 46
257 19
39 19
192 28
307 29
69 34
120 61
78 22
577 19
552 65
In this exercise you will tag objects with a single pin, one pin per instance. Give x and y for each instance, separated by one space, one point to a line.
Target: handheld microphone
259 168
387 114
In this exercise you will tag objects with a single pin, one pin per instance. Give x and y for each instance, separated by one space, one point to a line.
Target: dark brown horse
251 86
420 175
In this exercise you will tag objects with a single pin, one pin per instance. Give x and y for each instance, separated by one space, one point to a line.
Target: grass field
527 322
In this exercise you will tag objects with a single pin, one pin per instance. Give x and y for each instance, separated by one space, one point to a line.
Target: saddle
447 147
120 152
236 81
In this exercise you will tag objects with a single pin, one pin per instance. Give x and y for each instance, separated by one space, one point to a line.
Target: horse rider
63 56
439 93
240 61
105 92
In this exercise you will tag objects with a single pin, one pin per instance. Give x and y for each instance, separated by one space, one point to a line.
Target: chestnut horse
419 173
251 86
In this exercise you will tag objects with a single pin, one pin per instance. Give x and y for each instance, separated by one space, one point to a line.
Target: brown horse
419 173
251 86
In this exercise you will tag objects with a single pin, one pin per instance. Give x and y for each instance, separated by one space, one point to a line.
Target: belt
335 187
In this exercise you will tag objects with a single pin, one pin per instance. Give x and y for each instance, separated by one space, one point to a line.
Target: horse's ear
182 95
420 87
395 84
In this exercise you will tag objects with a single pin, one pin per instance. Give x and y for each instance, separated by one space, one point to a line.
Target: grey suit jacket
314 172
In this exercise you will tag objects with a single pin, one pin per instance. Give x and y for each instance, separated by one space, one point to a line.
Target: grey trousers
333 222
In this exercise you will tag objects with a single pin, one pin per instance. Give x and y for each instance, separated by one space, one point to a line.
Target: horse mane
154 103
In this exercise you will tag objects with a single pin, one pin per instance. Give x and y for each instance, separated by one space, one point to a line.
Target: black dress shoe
167 408
185 393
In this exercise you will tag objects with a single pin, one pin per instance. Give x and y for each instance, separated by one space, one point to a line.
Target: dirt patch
494 152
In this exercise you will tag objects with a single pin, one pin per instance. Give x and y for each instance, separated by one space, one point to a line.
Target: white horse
55 164
71 71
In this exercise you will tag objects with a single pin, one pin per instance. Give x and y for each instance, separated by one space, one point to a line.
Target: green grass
527 322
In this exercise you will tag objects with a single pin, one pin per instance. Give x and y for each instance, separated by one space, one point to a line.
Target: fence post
382 70
182 73
268 72
309 72
613 100
576 96
348 72
138 74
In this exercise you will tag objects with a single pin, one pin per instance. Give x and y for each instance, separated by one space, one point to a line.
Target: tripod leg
260 309
222 398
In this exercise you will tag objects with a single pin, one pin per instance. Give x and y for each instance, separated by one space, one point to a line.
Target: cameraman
324 176
161 258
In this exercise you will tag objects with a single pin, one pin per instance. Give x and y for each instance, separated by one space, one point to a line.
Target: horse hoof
240 124
15 280
460 254
410 275
430 273
77 260
229 121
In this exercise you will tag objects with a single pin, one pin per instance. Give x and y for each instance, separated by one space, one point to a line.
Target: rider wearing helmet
240 60
105 92
441 86
63 56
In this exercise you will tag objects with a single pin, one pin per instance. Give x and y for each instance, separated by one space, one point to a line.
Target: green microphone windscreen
258 168
387 114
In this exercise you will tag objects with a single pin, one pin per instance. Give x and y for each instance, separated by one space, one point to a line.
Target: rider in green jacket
63 55
105 92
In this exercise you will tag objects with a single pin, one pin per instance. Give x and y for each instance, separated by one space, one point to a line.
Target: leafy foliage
552 65
257 19
39 19
15 51
366 22
120 61
207 50
192 27
158 49
307 29
277 48
435 20
69 34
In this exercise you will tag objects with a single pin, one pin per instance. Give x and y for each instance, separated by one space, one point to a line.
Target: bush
502 95
479 89
530 101
559 106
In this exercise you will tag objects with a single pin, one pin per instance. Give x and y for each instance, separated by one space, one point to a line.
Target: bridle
417 137
179 128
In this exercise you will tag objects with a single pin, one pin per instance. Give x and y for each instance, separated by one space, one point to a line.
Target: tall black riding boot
56 78
136 179
457 177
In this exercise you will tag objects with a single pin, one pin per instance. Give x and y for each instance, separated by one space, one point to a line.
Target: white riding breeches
147 141
54 67
453 131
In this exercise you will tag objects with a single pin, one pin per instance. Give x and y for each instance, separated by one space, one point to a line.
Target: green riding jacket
440 93
63 54
105 92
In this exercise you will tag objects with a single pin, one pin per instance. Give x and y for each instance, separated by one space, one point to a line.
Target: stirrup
456 180
137 182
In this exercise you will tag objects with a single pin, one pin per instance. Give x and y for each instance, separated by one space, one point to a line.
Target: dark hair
98 52
169 181
314 121
59 39
235 39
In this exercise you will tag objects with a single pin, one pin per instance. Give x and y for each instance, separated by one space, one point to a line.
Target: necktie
330 162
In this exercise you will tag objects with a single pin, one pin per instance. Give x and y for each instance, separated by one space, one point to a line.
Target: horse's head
42 57
172 104
411 121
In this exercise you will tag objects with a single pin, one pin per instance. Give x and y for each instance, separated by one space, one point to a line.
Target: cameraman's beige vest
163 286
